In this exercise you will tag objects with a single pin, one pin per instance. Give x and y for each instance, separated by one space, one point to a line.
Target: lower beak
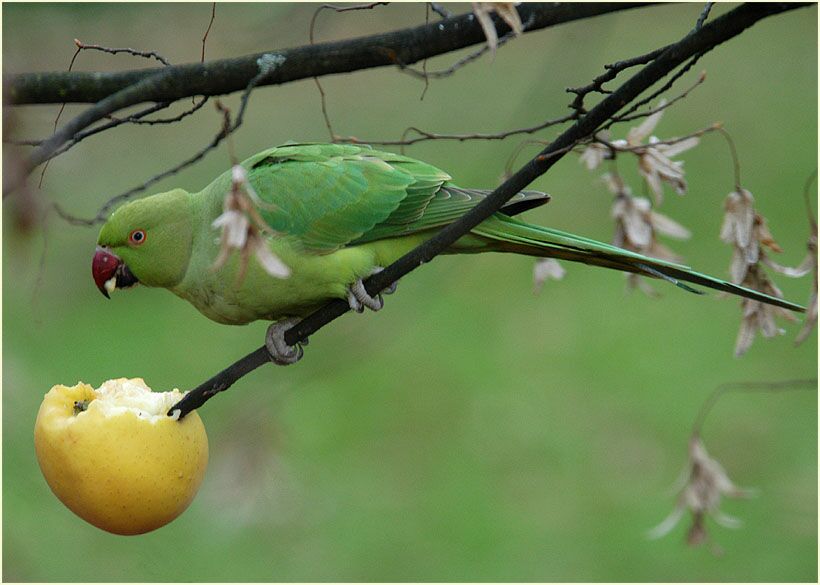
104 269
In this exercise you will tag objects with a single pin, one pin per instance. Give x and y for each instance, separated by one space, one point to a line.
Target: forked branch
697 42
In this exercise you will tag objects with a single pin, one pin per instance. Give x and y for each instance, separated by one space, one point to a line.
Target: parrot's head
147 241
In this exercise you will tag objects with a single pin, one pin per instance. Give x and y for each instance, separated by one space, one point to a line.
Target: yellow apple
114 457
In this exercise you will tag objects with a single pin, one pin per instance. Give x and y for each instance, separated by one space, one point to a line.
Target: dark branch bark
402 47
229 75
696 42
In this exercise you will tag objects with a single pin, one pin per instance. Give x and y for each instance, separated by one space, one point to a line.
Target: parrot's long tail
512 235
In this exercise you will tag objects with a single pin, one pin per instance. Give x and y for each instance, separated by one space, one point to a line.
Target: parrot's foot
280 352
358 298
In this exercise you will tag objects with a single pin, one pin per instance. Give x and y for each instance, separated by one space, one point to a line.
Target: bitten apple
114 457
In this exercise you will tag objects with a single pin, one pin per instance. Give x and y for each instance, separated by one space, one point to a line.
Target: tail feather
518 203
514 235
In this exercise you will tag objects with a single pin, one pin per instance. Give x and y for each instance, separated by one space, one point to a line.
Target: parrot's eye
137 237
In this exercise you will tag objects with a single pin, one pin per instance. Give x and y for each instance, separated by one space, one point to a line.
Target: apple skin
118 471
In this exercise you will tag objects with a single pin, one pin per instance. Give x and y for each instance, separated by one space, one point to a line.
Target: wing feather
328 196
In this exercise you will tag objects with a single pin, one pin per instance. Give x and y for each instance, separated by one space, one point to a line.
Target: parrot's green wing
328 196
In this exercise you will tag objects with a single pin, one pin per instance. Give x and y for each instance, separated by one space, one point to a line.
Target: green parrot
336 214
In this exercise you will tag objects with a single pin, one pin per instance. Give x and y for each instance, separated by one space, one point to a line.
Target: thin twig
226 124
424 63
655 110
226 130
59 113
735 158
80 47
204 39
639 148
440 10
665 87
596 86
80 136
138 117
325 115
612 71
133 119
747 387
704 15
72 219
114 51
425 135
207 31
311 29
368 6
517 152
427 75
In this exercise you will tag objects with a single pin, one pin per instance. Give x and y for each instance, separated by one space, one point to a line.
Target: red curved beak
104 268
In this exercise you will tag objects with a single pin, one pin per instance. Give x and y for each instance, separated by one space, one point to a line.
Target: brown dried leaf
759 316
705 485
739 219
242 228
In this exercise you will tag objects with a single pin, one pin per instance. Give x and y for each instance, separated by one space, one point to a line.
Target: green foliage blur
471 430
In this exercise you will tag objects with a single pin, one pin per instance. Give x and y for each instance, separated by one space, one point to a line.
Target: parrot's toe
358 298
280 352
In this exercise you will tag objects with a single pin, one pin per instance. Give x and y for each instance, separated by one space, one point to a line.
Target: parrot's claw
358 298
280 352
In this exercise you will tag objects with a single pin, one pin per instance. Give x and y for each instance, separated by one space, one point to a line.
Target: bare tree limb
696 42
225 131
137 119
224 76
120 90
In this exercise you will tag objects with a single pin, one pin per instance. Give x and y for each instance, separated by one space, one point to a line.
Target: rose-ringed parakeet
337 213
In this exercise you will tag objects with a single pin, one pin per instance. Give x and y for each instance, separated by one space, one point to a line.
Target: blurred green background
472 430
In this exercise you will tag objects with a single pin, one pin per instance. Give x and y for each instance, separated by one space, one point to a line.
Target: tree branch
120 90
698 41
406 46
